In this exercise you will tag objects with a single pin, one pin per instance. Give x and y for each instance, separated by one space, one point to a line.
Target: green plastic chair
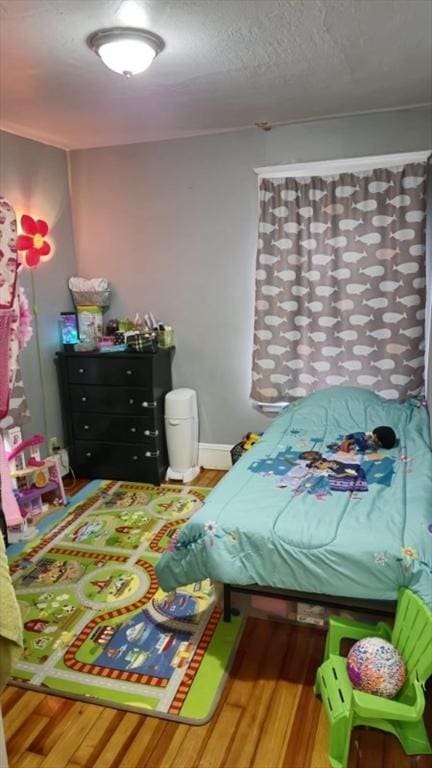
347 707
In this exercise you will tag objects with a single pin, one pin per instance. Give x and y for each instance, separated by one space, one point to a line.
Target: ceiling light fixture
126 50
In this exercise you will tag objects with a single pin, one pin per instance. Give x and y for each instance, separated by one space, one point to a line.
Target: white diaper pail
181 428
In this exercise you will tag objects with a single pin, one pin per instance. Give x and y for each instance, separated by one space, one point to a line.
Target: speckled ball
376 666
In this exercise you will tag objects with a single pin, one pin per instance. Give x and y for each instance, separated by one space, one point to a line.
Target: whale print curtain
340 284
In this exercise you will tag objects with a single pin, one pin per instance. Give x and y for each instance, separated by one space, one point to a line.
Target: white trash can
181 428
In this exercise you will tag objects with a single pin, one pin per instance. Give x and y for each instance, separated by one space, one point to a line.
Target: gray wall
173 226
34 178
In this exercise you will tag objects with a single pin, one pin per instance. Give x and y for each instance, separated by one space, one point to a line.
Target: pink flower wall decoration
33 242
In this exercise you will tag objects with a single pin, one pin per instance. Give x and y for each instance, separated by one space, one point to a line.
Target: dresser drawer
118 462
127 400
122 429
111 371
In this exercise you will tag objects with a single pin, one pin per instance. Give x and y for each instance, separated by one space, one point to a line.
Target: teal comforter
347 524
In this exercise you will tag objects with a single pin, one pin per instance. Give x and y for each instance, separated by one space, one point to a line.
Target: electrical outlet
53 444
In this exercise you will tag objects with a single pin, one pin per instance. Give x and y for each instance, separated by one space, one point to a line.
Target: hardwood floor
268 717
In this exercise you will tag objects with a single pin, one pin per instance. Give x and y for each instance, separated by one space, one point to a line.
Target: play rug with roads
96 624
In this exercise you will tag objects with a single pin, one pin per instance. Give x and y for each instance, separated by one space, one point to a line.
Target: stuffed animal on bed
361 442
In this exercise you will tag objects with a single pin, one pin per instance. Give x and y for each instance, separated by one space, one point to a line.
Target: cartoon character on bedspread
311 472
341 476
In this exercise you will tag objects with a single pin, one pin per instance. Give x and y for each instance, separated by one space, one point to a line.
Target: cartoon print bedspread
295 514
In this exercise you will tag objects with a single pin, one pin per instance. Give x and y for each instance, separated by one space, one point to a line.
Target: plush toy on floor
250 440
247 442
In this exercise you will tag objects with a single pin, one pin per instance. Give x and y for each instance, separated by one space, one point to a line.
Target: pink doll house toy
31 479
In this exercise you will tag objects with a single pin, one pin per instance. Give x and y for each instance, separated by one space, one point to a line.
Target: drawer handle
129 373
131 401
152 454
146 404
86 426
133 429
88 454
149 433
83 399
81 370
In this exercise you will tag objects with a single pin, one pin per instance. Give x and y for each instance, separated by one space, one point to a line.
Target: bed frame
376 607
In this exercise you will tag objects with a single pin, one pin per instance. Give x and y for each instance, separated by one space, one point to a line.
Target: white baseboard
214 456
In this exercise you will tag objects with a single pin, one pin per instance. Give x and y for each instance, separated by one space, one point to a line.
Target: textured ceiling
227 64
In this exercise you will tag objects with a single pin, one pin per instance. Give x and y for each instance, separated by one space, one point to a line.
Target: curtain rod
328 167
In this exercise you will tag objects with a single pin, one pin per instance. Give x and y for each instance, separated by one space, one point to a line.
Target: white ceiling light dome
126 50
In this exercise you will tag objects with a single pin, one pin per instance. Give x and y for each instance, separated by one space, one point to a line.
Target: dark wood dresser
113 413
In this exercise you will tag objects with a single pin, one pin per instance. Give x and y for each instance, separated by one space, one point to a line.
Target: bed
355 529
